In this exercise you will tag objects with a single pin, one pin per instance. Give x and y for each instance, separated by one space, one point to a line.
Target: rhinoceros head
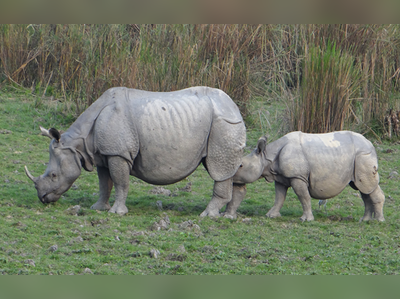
63 169
253 164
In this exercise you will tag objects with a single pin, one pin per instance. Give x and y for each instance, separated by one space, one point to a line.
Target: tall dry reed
79 62
82 61
330 80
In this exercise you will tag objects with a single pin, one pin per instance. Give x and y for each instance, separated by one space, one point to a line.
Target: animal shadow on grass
156 203
253 210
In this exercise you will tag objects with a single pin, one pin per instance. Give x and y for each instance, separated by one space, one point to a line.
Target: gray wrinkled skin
316 166
159 137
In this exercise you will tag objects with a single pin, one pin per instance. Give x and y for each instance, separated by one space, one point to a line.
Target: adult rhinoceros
316 166
159 137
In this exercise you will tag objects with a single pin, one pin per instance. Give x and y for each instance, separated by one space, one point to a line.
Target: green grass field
101 243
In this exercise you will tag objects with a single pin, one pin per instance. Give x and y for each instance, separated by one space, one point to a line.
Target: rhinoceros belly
329 182
331 161
173 133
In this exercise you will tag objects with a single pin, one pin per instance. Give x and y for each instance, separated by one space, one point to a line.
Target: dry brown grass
79 62
330 81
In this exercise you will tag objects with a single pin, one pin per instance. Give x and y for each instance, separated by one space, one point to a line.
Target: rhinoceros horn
29 175
51 133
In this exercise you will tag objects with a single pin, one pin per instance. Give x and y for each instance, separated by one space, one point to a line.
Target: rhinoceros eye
53 175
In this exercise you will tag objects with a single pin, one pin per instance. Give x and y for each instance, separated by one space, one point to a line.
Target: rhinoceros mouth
49 197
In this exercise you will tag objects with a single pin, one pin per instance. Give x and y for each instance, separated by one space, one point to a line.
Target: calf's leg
373 205
238 194
301 189
280 196
369 209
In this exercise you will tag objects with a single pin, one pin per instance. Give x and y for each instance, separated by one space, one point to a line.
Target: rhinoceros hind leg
238 194
119 172
280 196
373 205
368 207
105 186
222 194
301 190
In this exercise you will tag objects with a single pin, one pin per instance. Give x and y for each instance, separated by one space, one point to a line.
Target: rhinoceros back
165 135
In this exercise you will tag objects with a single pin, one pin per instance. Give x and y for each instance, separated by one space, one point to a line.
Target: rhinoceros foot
381 219
209 213
101 206
233 217
120 209
273 214
307 218
369 218
229 216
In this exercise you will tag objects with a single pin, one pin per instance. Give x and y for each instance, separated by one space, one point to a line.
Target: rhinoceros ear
261 144
55 134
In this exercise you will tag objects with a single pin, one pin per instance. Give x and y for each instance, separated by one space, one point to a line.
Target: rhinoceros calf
316 166
159 137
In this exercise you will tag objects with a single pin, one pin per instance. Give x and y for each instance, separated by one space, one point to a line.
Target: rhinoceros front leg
238 194
373 205
222 194
280 195
105 186
301 189
119 172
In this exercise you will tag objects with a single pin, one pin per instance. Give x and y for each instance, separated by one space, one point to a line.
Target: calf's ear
261 144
